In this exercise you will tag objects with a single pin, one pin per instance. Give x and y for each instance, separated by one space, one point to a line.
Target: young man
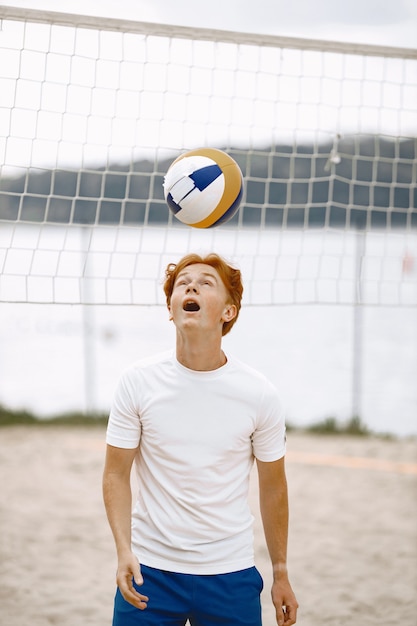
193 422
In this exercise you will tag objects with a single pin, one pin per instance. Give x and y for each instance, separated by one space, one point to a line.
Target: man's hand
285 603
129 570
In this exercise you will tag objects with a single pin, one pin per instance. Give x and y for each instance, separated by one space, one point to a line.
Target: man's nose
192 287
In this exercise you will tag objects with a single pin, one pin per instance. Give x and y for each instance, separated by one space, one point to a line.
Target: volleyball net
94 110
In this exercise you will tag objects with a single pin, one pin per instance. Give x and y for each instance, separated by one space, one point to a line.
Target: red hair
230 276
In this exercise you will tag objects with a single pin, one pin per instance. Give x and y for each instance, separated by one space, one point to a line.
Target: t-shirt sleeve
268 439
124 427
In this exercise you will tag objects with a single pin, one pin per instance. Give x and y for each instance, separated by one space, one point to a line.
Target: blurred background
317 105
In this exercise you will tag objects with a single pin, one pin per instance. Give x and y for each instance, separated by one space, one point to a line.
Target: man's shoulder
245 368
253 378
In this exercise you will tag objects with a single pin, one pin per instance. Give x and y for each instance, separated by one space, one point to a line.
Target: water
307 351
66 357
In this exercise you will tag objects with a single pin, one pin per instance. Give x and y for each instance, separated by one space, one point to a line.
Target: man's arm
273 500
117 495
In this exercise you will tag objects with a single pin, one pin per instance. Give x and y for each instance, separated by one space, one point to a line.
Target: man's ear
229 313
170 314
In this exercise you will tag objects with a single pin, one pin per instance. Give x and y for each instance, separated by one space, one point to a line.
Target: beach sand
353 532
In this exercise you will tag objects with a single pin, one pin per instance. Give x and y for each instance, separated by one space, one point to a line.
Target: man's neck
202 356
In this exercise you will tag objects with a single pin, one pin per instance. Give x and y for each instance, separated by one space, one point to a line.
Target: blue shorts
205 600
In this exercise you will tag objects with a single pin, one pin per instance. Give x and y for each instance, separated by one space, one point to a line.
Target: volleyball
203 187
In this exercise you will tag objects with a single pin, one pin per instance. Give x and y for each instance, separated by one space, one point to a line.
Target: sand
352 548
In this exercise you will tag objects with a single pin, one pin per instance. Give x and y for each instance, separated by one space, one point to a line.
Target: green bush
330 426
9 417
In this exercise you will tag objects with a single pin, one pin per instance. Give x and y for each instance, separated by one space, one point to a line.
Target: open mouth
190 305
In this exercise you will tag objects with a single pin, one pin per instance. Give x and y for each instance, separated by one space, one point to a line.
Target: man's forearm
274 512
273 502
117 497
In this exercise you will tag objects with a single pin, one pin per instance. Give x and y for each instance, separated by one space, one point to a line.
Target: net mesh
94 111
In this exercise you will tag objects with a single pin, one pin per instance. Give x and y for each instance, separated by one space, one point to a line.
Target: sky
377 22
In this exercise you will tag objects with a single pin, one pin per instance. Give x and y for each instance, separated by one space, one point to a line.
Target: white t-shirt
198 433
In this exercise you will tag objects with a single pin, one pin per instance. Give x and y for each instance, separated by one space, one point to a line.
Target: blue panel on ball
174 207
204 176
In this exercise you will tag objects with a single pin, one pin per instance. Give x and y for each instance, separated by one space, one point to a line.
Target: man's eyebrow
210 274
